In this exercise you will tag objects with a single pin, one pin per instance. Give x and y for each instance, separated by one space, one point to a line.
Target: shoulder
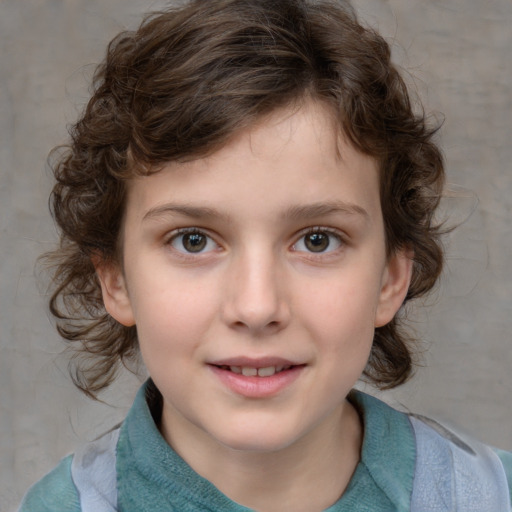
53 493
506 460
421 463
450 467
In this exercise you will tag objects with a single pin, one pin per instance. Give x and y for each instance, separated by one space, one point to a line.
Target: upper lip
249 362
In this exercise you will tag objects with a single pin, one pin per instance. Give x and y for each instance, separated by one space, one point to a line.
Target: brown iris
316 242
194 242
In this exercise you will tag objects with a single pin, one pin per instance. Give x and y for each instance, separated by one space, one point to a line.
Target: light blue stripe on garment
455 476
93 470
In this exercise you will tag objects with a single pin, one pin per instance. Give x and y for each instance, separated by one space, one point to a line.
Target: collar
151 475
388 454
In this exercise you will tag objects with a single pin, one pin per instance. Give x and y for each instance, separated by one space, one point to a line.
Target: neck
309 475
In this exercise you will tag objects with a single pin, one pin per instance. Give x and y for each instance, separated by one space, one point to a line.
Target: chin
255 445
257 439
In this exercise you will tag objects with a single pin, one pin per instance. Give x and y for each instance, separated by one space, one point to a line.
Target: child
248 200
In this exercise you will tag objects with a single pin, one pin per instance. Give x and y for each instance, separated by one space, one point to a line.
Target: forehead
290 157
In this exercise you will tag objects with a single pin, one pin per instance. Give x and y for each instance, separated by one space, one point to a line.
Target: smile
257 379
248 371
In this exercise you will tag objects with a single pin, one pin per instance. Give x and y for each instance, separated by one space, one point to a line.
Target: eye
192 242
318 241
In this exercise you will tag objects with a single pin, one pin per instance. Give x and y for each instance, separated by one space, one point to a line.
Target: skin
258 290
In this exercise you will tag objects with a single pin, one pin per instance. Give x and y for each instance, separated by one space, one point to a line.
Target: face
256 277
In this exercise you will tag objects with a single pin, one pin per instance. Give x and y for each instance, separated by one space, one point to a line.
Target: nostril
272 326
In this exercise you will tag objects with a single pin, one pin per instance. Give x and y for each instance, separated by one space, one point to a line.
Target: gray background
459 54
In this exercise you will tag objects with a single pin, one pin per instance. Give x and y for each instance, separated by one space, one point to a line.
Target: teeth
248 371
266 372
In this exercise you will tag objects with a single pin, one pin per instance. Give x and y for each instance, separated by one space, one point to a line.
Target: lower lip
258 387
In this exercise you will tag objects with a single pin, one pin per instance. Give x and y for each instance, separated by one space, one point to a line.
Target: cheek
341 323
344 308
172 316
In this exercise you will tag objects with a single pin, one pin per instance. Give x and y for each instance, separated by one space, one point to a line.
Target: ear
395 284
114 291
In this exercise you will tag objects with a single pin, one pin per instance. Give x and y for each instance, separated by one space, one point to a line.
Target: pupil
317 242
194 242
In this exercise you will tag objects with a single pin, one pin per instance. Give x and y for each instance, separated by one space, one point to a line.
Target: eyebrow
195 212
323 209
297 212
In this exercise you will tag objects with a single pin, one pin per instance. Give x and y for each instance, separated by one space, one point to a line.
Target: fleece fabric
152 477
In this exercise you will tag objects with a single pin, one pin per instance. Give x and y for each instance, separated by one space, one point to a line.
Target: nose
256 300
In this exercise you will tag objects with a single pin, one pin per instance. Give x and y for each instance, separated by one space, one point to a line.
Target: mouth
257 378
251 371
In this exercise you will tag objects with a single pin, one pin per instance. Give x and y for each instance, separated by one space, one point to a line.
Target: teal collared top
151 476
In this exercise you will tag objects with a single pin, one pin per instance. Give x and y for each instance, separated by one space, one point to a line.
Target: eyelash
331 233
180 233
208 241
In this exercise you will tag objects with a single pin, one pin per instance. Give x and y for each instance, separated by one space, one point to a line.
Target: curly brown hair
179 88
